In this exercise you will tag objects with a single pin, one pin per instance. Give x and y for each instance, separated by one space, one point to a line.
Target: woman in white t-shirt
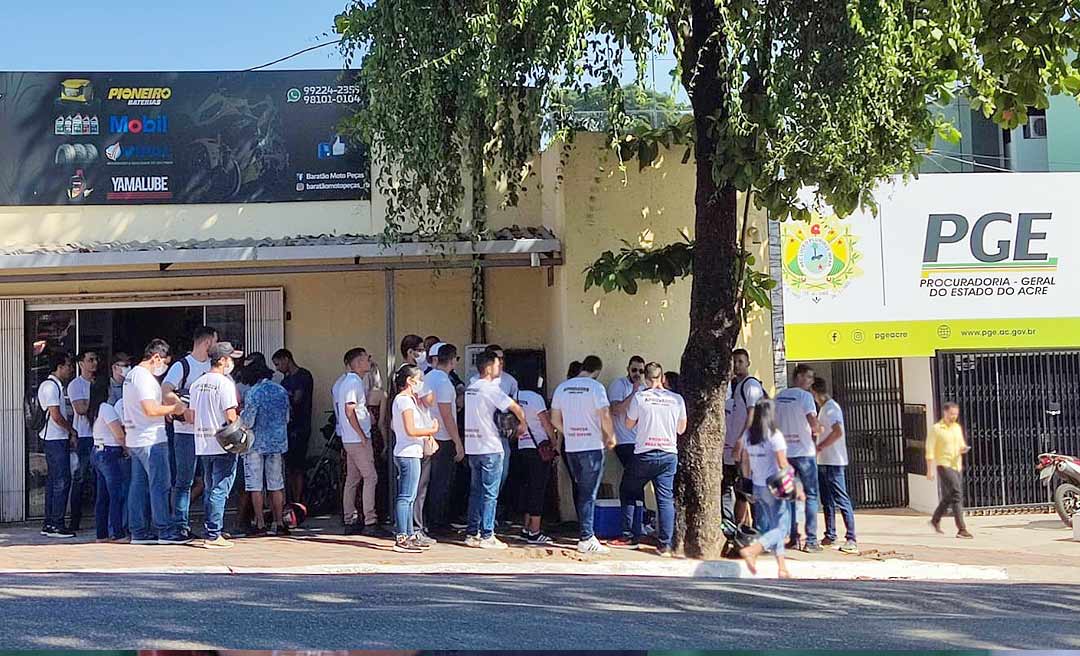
764 454
538 472
114 473
412 425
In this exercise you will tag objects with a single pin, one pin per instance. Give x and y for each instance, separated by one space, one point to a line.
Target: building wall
1063 134
919 388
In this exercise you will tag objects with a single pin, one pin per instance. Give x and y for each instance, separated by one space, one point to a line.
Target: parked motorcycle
1065 470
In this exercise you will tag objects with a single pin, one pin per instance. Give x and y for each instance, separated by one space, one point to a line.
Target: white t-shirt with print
140 385
533 404
836 453
349 388
211 396
763 463
580 401
618 391
107 414
405 445
51 393
792 406
742 396
175 376
79 390
658 413
439 382
482 399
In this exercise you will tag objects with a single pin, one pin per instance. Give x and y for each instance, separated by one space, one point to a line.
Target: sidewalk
895 545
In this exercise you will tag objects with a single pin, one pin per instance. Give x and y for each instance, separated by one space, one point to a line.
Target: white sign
952 261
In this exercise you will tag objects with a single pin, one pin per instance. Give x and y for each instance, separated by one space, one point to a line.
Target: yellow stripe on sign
896 339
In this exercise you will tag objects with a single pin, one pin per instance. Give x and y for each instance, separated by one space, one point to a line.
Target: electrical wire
295 54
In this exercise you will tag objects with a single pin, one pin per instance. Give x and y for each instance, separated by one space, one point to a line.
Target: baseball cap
224 350
433 352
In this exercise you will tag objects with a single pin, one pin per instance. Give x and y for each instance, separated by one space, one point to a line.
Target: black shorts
296 456
537 474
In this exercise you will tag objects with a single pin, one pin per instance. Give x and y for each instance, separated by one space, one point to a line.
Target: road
53 611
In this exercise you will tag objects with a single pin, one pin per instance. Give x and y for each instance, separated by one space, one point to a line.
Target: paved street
95 611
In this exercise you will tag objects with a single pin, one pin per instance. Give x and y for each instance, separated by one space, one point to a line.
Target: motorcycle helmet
294 514
508 424
782 484
236 438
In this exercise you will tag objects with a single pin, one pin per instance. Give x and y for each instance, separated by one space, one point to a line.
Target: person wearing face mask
620 394
413 426
121 365
145 409
214 403
60 440
79 395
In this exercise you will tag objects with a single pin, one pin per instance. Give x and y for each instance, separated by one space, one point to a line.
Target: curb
713 569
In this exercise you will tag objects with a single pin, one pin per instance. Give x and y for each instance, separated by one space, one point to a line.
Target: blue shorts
265 468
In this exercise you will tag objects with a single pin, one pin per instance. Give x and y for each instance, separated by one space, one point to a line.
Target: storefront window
109 331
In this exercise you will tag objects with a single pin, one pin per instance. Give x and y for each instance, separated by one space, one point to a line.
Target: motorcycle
1067 491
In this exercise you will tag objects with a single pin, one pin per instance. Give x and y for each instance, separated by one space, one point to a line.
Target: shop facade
963 288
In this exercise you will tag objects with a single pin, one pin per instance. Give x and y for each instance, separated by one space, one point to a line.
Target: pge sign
1020 244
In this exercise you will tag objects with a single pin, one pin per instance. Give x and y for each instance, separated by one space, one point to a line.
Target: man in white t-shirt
832 461
60 439
451 448
145 409
659 417
354 427
484 448
181 376
79 395
214 405
581 412
620 393
796 416
743 393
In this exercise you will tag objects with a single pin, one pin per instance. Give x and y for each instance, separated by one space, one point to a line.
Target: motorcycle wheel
322 488
1067 502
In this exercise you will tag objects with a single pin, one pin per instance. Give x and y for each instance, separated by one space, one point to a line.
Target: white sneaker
592 546
473 541
492 543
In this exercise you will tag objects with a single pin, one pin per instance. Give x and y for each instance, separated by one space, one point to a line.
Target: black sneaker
45 530
827 542
354 529
257 532
282 531
403 544
61 532
811 547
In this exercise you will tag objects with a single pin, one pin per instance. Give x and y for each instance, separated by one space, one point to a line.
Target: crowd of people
149 438
148 435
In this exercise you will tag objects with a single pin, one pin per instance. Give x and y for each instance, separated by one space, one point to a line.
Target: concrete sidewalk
895 545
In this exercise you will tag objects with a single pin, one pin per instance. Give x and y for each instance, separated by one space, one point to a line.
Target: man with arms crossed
796 414
145 409
581 412
659 417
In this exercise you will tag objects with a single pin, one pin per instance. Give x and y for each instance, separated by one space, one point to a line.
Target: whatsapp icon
293 95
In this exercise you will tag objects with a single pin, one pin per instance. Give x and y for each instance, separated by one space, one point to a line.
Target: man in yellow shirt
945 448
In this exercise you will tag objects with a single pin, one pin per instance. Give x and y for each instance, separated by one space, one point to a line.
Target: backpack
741 387
36 416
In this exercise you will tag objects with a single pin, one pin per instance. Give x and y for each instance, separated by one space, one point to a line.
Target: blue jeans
806 470
443 469
505 465
219 472
658 467
631 496
774 516
834 497
407 471
148 496
57 481
486 471
113 479
183 453
84 475
586 468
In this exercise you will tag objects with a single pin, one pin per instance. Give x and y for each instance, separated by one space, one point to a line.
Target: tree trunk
706 362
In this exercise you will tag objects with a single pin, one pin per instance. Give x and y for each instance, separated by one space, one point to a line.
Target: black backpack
741 387
36 416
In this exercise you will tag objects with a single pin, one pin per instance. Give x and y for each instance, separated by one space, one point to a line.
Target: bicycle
323 480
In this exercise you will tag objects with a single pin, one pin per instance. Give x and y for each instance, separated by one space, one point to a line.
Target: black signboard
136 138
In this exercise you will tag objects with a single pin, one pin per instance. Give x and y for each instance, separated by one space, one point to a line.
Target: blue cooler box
607 519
